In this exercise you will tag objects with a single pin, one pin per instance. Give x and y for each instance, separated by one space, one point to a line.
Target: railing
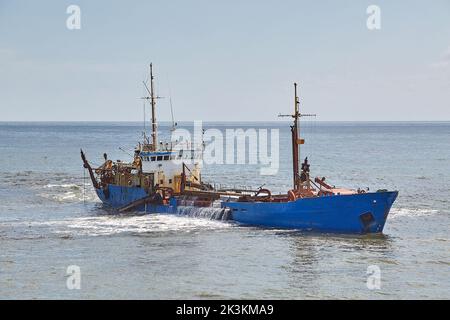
238 188
171 146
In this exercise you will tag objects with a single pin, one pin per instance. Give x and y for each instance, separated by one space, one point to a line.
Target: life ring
291 196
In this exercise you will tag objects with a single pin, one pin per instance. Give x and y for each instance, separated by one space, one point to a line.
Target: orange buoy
291 195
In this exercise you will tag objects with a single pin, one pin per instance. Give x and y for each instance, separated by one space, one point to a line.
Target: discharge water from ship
213 212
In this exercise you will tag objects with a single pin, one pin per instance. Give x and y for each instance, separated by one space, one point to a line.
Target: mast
296 140
153 102
295 129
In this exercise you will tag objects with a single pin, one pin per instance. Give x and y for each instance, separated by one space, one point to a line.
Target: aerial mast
296 141
153 102
295 128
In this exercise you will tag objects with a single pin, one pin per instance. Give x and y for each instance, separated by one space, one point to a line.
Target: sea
57 240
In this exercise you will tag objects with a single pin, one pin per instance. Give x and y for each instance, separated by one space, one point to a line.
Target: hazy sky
225 60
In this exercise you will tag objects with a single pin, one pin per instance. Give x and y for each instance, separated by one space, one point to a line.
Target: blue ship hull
356 213
118 196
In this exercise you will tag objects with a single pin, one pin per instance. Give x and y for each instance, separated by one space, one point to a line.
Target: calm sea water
49 220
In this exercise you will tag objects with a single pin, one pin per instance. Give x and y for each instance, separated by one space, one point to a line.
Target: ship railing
234 188
173 146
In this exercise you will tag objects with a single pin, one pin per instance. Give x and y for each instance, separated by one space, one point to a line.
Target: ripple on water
54 186
118 224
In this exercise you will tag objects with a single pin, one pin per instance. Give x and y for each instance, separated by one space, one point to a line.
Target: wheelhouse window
166 157
153 158
159 158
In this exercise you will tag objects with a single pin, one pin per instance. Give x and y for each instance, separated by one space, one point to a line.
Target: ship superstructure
159 169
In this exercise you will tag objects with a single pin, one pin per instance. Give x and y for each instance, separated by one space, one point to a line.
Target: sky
225 60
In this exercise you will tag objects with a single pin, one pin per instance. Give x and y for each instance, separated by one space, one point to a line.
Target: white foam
143 224
411 212
108 225
64 186
70 196
68 192
213 213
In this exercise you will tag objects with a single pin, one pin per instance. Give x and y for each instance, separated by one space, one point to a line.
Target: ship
167 180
